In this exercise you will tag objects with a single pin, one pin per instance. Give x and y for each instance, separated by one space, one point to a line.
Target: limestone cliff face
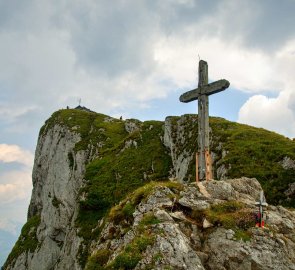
55 201
180 145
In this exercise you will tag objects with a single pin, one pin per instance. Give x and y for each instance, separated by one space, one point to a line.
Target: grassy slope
256 152
250 152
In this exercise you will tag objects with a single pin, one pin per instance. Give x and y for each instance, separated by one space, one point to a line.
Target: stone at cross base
203 157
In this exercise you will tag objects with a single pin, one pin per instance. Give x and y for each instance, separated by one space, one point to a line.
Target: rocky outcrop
171 221
57 178
288 163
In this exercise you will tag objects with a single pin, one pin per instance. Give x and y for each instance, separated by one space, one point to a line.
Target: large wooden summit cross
203 157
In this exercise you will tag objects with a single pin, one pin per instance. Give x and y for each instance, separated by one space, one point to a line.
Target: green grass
125 210
148 219
242 235
27 241
230 215
127 259
98 260
256 152
132 254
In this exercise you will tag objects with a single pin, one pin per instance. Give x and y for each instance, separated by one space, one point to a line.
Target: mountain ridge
85 163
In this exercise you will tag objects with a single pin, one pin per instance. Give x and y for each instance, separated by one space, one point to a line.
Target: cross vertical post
203 122
203 157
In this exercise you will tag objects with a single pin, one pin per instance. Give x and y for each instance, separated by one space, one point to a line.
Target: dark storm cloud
264 25
111 36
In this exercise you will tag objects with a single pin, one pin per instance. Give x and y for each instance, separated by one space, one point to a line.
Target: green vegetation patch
132 254
120 170
98 260
230 215
147 220
95 129
27 241
242 235
127 259
125 210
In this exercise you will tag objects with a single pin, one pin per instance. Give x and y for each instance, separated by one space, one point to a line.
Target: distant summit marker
203 157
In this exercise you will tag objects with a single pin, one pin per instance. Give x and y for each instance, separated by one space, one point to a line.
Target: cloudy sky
134 58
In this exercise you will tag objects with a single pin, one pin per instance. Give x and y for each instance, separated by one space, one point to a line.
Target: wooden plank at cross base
197 167
208 166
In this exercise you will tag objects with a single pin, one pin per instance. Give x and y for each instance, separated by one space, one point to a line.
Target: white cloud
15 186
248 70
270 113
13 153
9 226
276 114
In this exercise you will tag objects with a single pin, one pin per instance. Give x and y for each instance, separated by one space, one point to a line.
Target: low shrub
98 260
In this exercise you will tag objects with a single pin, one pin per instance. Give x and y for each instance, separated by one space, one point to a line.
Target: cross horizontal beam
208 89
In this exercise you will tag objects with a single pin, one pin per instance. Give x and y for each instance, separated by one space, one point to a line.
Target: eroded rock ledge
161 226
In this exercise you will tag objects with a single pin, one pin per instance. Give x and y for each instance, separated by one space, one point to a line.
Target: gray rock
178 215
132 125
220 190
288 163
54 177
291 190
174 139
162 215
207 224
221 172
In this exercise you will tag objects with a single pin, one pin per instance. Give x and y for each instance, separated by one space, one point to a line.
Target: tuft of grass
148 220
126 260
132 254
230 214
98 260
242 235
122 212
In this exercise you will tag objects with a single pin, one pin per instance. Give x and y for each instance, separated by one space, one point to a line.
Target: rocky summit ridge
114 194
